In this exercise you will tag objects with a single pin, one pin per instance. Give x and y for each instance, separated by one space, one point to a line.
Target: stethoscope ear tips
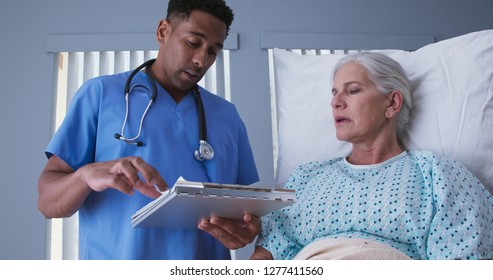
128 141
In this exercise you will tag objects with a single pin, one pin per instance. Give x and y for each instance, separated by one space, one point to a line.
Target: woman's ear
163 30
395 100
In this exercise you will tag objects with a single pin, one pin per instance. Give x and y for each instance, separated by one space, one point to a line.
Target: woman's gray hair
388 75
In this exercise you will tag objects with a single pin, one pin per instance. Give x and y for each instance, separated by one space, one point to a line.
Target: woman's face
357 107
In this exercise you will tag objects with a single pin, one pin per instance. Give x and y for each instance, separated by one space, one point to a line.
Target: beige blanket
349 249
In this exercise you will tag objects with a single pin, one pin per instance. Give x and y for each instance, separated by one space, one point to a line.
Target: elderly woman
380 201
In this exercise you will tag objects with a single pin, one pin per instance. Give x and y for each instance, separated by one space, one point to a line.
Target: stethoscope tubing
205 150
141 119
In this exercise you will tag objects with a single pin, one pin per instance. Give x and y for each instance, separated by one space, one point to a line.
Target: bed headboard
452 83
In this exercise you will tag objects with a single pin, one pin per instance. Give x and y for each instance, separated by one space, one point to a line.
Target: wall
26 73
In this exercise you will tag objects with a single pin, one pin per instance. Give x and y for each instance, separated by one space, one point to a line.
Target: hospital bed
452 82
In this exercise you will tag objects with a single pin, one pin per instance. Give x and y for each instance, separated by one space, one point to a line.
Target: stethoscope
205 150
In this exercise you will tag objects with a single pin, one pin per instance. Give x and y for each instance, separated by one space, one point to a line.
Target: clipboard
183 206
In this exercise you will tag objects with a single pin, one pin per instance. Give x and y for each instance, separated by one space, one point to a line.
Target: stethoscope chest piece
205 151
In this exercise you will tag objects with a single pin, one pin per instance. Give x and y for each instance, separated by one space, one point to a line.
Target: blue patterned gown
426 206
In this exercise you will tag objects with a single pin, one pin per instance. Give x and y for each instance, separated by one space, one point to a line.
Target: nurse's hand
123 175
260 253
233 234
62 190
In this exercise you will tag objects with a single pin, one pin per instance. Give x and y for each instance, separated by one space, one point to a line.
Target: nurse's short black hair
180 10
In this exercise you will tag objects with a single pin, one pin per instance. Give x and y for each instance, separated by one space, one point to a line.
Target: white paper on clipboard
184 205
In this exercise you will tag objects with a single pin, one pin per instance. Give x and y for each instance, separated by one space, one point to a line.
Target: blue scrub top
170 135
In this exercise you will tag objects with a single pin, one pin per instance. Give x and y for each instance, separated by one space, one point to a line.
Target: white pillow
452 83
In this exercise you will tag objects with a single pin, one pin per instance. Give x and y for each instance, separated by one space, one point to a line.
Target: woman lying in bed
381 201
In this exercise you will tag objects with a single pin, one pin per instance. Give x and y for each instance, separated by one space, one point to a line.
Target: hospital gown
426 206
